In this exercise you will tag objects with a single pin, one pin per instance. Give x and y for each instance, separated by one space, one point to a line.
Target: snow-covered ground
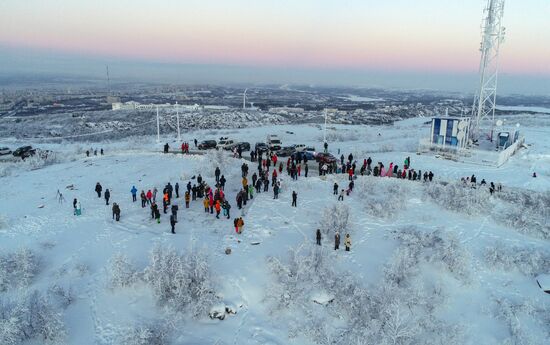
430 263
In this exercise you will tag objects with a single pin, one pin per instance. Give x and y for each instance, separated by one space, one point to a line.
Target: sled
255 243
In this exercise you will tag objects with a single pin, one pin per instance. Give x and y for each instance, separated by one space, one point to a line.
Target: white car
274 142
300 147
4 151
225 143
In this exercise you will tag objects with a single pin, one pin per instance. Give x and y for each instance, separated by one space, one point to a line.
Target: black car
244 146
207 144
286 151
261 147
24 152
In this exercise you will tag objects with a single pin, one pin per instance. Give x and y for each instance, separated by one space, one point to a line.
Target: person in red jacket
149 196
182 147
274 159
350 174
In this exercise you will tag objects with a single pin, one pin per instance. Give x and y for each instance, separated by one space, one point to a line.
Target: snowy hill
430 262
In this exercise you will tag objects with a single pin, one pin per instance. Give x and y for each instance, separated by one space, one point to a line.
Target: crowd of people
268 175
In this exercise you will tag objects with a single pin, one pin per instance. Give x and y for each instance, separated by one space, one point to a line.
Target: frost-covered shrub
530 261
335 218
43 160
145 334
31 317
384 314
383 197
183 283
18 269
122 272
435 247
62 295
527 212
458 198
519 318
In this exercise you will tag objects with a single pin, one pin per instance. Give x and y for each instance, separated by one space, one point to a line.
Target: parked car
310 149
225 144
245 146
4 151
300 147
274 143
304 154
24 152
207 144
261 147
325 158
286 151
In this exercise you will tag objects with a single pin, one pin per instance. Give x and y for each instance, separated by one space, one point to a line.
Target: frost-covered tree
181 282
336 218
121 271
31 317
18 269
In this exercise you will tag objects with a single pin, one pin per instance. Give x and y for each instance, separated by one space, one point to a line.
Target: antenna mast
485 100
244 98
108 79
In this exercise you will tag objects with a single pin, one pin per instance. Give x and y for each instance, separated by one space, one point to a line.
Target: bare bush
214 159
64 296
514 313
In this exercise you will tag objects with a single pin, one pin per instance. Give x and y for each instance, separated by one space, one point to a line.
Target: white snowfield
430 262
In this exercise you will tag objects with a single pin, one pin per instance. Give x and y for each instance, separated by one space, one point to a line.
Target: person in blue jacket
134 193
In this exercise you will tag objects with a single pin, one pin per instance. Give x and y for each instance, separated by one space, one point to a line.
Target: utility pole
178 119
325 131
244 99
158 125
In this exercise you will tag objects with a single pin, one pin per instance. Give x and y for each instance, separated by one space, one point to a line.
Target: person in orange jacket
187 198
240 224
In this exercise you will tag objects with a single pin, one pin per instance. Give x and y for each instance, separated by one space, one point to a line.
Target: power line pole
158 125
178 119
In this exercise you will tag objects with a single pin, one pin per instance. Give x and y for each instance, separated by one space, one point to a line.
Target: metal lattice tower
492 36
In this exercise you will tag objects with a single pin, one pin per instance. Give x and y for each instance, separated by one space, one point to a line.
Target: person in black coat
294 198
98 189
336 240
107 195
335 189
177 189
175 211
318 237
173 222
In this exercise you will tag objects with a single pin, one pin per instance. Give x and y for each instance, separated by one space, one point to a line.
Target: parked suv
225 143
207 144
261 147
24 152
274 142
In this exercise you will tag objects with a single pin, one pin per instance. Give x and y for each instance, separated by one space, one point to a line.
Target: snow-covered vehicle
274 143
4 151
286 151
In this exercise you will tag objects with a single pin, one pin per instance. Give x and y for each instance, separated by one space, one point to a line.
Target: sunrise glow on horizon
427 36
